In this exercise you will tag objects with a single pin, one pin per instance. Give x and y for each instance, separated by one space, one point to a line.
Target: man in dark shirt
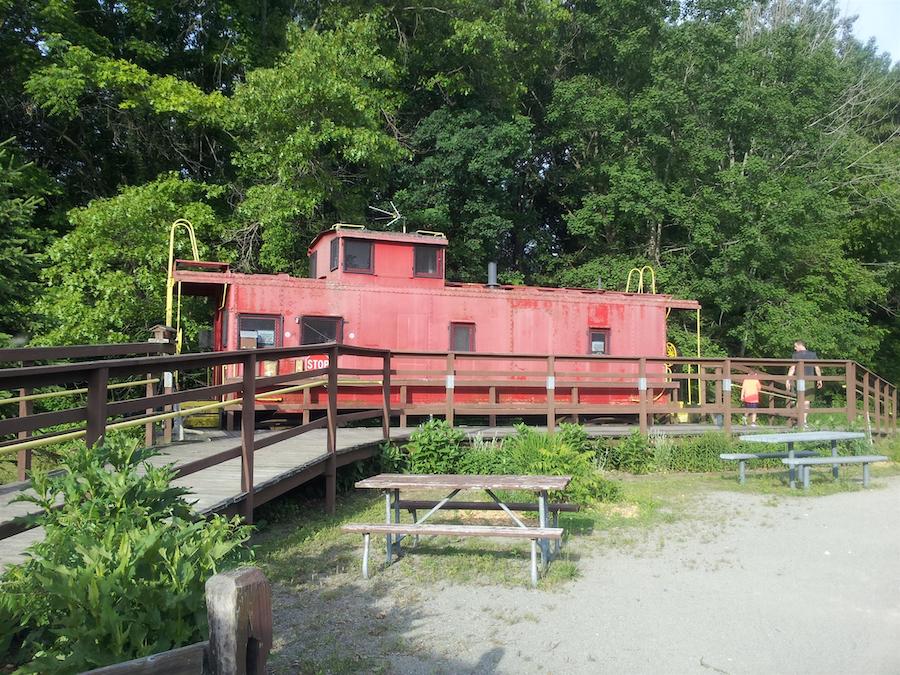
801 353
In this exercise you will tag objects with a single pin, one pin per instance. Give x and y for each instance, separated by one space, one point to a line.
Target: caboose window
598 341
313 258
427 262
335 257
257 332
315 330
357 255
462 337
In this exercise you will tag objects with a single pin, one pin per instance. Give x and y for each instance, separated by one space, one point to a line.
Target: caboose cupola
350 252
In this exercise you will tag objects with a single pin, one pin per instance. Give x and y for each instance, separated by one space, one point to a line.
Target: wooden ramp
277 469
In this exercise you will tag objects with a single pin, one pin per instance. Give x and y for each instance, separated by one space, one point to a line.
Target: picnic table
801 437
392 484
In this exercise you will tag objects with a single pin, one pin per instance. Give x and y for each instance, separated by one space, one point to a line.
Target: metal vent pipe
492 274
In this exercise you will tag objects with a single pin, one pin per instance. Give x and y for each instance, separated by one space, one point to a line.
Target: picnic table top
799 436
396 481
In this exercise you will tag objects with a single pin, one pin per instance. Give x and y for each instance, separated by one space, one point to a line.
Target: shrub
632 453
435 447
121 570
567 452
701 453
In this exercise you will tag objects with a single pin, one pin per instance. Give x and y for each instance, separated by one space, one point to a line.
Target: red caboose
388 290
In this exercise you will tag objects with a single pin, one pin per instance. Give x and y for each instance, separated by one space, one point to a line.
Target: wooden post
96 406
850 384
865 398
800 381
248 427
551 393
450 385
717 391
386 393
307 401
726 396
149 436
576 417
26 408
239 610
168 388
403 406
642 395
492 400
331 468
894 409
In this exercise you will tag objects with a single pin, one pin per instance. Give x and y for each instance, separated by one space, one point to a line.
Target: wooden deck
281 467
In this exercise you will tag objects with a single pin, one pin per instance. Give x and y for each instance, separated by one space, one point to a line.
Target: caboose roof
421 237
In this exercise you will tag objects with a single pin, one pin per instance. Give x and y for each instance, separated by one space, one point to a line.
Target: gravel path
756 584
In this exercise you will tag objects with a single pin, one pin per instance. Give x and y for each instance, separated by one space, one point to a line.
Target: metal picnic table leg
558 544
542 513
791 469
834 467
387 520
398 538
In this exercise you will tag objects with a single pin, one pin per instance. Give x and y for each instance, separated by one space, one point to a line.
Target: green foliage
303 127
747 150
632 453
21 194
121 570
106 278
696 453
435 447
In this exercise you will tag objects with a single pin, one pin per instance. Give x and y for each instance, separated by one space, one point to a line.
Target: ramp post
331 466
248 426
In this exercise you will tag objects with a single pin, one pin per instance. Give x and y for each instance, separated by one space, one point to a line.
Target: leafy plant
632 453
435 447
121 570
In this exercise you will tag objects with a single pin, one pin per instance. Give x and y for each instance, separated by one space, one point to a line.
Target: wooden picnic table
393 483
803 437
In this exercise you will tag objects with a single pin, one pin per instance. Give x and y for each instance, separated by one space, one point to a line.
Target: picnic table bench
804 464
743 457
790 438
394 530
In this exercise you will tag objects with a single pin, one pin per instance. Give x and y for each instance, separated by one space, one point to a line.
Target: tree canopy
747 150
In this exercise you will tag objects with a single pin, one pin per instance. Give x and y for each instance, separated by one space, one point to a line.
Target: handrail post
726 396
894 408
800 380
386 393
149 436
850 384
865 398
331 463
26 408
239 613
551 393
450 385
642 395
248 427
98 379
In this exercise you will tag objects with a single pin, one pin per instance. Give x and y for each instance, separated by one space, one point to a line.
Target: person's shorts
748 404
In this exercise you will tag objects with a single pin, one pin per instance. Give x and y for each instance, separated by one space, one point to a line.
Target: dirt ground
751 584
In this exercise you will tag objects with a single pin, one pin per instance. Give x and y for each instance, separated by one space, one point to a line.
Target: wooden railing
99 413
644 390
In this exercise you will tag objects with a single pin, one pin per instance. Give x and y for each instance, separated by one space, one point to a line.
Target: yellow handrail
73 392
640 279
170 276
40 442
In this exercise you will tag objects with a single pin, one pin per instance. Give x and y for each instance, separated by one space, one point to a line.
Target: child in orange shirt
750 394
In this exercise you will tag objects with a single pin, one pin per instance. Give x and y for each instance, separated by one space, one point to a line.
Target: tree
106 278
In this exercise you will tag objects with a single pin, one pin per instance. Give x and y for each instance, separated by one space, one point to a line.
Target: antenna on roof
391 216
